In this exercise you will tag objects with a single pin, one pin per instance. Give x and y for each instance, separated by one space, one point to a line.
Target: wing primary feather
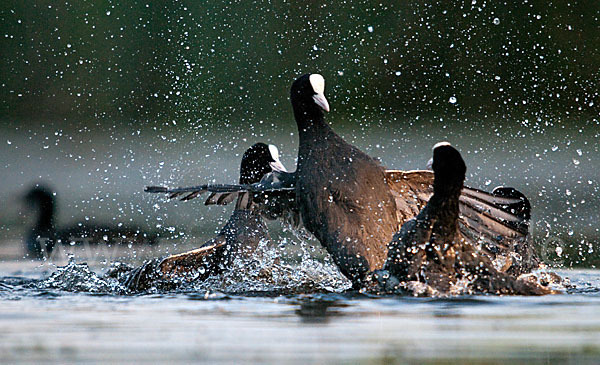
156 189
494 218
191 196
222 198
512 210
490 225
489 198
493 210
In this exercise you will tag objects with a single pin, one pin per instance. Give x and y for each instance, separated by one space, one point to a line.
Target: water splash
267 271
76 277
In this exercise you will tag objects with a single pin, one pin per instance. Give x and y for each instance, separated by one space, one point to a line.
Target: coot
240 236
430 256
45 235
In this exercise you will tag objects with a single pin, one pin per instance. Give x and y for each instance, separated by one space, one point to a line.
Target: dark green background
196 59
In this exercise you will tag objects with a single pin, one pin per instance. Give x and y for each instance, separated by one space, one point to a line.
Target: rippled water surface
59 319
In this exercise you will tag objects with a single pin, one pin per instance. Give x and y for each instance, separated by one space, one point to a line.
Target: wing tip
156 189
522 208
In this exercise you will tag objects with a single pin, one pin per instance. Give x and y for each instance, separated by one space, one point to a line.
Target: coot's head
448 166
40 197
259 160
308 96
522 209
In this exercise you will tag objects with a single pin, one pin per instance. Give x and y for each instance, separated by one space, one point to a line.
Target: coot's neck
308 117
447 187
45 218
444 204
312 129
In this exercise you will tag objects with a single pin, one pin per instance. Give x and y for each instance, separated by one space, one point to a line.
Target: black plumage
341 192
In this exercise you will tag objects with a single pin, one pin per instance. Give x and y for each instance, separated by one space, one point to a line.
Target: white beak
277 166
430 164
321 101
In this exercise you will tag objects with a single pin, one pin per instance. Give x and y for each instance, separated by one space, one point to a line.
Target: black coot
240 236
45 235
429 249
341 192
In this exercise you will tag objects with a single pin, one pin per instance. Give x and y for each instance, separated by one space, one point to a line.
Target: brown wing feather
481 212
484 218
411 190
183 263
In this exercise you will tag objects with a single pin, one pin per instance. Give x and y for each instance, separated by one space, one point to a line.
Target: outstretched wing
273 184
411 191
274 195
222 194
504 211
495 214
191 192
200 261
195 264
498 221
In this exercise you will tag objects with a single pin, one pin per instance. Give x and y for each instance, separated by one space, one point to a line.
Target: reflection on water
320 308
